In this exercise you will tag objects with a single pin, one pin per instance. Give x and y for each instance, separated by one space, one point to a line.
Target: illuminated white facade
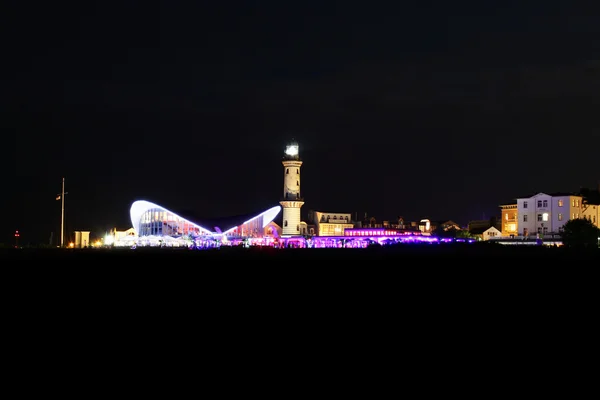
292 200
151 220
332 224
546 214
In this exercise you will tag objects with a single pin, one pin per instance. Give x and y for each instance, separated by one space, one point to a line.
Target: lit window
545 216
560 203
560 217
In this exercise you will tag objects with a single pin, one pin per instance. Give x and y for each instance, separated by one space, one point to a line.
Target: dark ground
307 306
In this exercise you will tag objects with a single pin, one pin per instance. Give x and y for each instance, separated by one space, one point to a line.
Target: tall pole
62 215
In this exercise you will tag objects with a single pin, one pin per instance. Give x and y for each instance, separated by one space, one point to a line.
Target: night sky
441 110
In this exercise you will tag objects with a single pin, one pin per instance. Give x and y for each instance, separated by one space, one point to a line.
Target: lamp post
61 197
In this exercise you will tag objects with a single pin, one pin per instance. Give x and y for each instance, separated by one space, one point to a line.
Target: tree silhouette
580 233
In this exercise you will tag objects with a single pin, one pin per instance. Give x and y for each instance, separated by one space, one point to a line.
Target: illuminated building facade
510 219
375 232
331 224
292 200
150 220
543 213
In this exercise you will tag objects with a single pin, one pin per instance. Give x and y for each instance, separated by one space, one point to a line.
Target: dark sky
441 110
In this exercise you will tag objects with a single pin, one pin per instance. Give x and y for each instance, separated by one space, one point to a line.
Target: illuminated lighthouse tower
292 201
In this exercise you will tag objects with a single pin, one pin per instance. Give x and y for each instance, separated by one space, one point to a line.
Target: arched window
298 228
297 183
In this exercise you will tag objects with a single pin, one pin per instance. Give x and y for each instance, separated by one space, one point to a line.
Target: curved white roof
139 207
268 216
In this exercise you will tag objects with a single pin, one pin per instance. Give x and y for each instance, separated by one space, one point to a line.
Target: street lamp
61 197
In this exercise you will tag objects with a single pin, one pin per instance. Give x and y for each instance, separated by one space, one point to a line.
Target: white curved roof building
150 219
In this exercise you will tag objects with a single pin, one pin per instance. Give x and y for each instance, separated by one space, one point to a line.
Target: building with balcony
509 224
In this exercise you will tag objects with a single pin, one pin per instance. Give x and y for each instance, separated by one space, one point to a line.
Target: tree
580 233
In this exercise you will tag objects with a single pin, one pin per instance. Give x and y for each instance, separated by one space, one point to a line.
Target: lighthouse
292 200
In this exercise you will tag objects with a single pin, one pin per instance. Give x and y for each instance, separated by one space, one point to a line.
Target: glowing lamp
291 150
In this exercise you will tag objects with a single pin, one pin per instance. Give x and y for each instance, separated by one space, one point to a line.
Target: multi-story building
548 213
591 212
331 224
509 219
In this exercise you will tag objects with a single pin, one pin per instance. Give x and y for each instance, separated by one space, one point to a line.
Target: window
297 183
539 217
298 171
560 216
287 171
560 203
524 204
545 203
573 202
545 229
298 228
524 218
285 223
506 216
539 203
545 216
